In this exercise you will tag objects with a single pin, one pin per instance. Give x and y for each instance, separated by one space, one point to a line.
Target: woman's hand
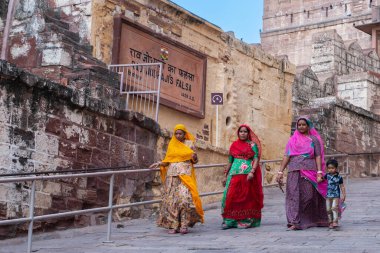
194 158
279 177
155 165
250 176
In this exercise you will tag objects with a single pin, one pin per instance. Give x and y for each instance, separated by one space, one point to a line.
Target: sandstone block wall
360 89
288 26
351 66
256 86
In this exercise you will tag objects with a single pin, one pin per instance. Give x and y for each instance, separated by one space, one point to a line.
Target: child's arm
343 190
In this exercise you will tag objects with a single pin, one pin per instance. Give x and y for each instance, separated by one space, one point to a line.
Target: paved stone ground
359 232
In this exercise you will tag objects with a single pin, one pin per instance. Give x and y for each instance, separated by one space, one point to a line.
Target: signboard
216 98
184 69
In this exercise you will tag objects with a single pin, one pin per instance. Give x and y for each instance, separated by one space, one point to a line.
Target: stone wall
348 129
340 90
54 39
288 26
256 86
72 118
349 72
360 89
49 127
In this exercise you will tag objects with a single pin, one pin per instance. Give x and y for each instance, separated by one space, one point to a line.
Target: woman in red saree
243 195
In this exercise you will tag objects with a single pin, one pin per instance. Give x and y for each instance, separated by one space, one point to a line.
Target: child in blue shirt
335 187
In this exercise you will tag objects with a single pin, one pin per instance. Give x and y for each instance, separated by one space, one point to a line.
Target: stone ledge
316 25
328 101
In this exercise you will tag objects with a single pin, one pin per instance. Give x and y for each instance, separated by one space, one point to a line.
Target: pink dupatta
300 144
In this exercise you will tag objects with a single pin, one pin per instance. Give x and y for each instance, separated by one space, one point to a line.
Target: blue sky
243 17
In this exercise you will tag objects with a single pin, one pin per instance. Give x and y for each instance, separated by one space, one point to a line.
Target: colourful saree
305 203
242 200
181 206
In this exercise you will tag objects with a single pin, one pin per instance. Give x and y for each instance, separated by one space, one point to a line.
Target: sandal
172 231
292 228
183 231
331 226
335 224
242 225
225 226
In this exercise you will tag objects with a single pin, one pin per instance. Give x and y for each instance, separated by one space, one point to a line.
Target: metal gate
140 84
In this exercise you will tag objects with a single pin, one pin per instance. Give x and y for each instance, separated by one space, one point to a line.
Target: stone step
80 59
94 73
94 83
58 22
55 28
53 73
54 37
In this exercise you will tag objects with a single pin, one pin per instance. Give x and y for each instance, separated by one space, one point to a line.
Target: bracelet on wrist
320 172
280 172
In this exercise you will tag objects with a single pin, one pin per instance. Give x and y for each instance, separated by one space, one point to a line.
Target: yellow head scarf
179 152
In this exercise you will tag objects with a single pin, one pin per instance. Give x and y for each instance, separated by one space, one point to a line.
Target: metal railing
141 83
38 177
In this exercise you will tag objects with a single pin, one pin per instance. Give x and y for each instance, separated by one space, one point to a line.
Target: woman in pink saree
304 157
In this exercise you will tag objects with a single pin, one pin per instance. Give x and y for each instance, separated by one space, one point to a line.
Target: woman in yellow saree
181 205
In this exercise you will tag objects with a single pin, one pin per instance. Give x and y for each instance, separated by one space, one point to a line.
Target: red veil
242 149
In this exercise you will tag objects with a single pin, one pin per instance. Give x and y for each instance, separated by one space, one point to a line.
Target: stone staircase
62 58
